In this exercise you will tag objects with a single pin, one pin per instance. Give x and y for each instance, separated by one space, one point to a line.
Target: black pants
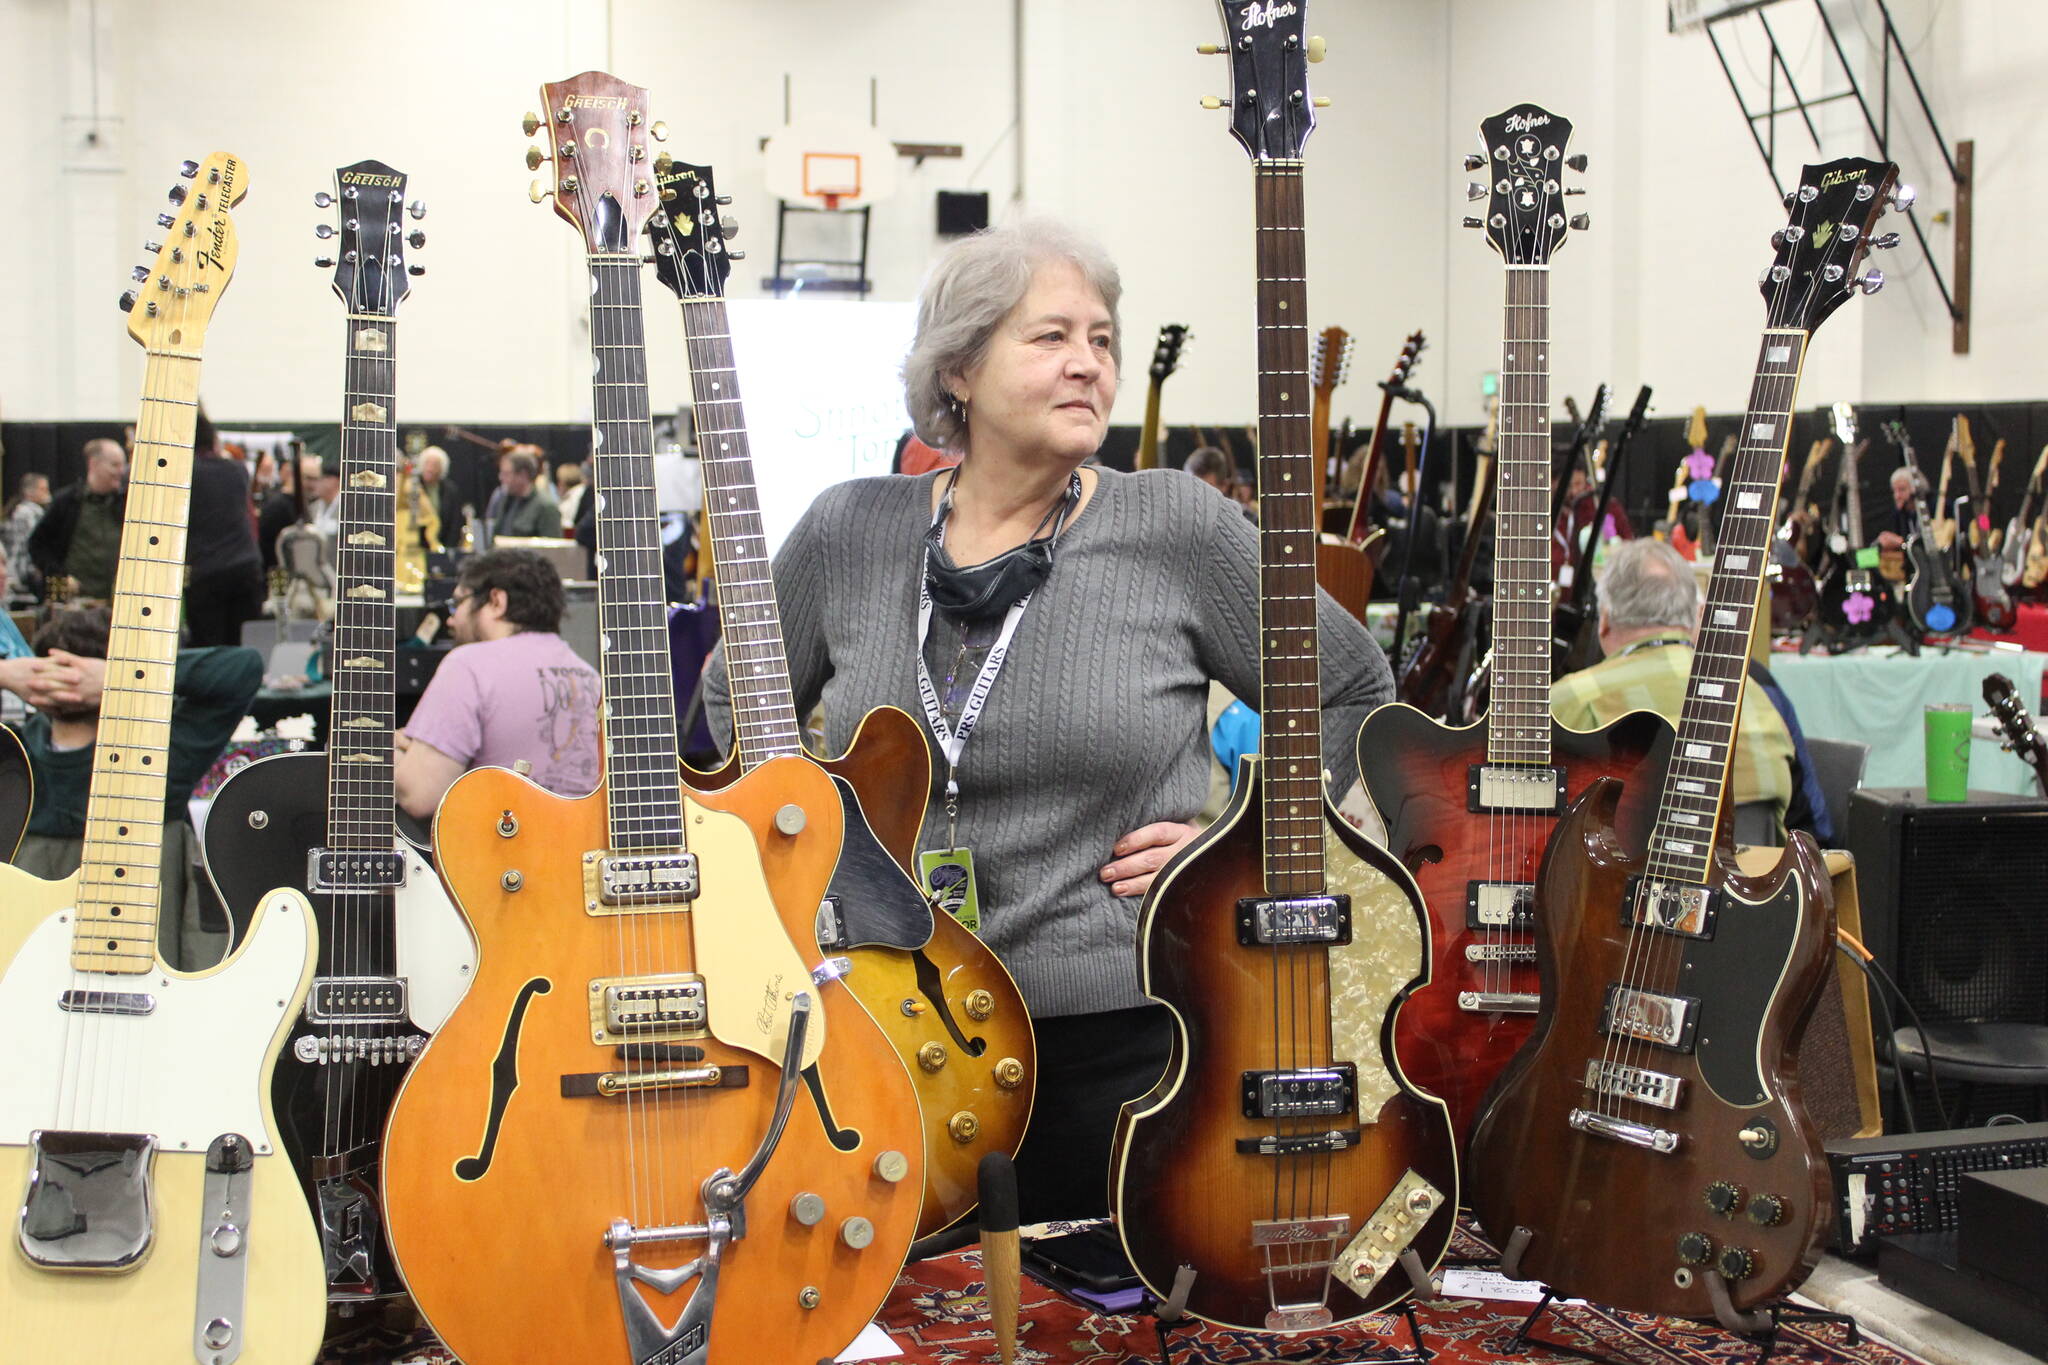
1088 1066
217 604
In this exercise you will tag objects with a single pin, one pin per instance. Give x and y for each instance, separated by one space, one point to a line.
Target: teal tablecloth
1879 699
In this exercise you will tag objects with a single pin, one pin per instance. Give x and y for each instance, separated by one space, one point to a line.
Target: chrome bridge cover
354 869
1624 1130
1637 1083
1680 908
1499 905
1665 1020
1513 787
90 1204
356 1000
1277 922
1316 1093
627 879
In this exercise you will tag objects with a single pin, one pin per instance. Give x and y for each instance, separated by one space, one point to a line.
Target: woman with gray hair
1056 625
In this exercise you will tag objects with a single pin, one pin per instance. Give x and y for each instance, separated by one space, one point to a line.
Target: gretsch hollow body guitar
665 1131
1469 810
947 1003
152 1215
1648 1147
395 953
1283 1157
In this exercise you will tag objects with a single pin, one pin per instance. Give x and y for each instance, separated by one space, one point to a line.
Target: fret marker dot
1285 396
120 872
122 831
113 947
1283 305
115 911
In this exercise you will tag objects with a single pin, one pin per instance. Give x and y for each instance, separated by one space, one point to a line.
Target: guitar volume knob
1009 1073
1736 1263
979 1005
1767 1210
1724 1197
1695 1248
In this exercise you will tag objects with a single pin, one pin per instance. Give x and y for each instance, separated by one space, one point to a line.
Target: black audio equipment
1926 1267
1907 1183
2002 1226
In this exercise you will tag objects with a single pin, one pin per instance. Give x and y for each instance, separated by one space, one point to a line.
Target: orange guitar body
501 1241
976 1090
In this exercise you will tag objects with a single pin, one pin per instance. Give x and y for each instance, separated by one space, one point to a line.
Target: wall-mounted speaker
962 212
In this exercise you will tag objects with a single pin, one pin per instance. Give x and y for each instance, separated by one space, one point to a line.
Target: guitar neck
643 790
1518 728
1682 843
359 790
1369 473
1148 436
118 875
1319 445
1290 680
764 719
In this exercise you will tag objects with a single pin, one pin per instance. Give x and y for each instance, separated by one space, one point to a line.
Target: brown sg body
1182 1192
1415 769
889 769
510 1266
1606 1217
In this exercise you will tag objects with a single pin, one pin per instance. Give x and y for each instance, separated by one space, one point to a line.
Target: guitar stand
1170 1315
1760 1326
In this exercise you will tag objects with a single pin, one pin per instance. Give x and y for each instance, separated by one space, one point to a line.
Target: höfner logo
1522 123
595 102
366 178
1257 15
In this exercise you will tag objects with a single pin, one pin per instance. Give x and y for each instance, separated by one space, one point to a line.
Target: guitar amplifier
1912 1182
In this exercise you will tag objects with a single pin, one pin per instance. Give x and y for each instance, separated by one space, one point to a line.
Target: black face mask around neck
993 587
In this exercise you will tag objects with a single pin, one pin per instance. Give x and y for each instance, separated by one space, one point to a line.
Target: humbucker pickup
1504 787
1665 1020
1299 1144
637 1007
1276 922
1674 907
354 869
1499 905
1634 1083
614 880
1318 1093
356 1000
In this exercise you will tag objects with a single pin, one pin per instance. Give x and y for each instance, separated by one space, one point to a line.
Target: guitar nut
1009 1073
979 1005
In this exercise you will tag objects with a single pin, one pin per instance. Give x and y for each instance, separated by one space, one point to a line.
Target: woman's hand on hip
1141 853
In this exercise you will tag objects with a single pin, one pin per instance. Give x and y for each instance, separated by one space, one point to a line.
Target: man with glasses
512 690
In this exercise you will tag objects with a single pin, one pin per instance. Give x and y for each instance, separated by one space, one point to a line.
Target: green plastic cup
1948 751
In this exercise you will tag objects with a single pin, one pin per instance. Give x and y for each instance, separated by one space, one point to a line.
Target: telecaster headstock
174 298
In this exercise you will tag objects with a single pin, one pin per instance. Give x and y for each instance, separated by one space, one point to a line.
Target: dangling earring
958 406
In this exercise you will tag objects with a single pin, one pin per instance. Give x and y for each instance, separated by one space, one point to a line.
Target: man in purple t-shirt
513 690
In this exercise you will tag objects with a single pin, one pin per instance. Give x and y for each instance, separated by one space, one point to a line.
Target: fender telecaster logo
504 1080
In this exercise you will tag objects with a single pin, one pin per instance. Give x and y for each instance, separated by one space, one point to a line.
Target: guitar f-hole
504 1080
842 1139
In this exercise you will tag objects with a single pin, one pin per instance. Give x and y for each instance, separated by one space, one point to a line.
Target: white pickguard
190 1070
436 951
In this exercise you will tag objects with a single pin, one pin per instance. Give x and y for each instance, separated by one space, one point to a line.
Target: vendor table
1878 697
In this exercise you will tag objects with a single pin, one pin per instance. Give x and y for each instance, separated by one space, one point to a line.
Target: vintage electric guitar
1469 810
947 1003
1648 1147
1937 596
2013 542
665 1131
1283 1158
1856 598
1990 603
1363 532
1343 570
394 952
17 793
157 1219
1165 360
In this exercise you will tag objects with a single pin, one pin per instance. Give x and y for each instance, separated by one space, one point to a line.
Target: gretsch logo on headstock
595 102
1258 16
1522 123
366 178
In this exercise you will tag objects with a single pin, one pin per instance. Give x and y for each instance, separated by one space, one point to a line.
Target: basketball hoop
830 165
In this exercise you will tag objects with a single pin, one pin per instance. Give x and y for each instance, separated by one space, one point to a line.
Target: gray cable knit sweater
1096 725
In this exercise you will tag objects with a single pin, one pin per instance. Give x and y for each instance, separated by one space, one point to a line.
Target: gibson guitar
1282 1158
1648 1147
1165 360
665 1130
157 1218
394 952
1469 810
947 1003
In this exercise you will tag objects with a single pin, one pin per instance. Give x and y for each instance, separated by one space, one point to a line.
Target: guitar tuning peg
730 227
1475 190
735 255
1885 241
1213 102
1577 162
1475 222
1581 221
1209 49
664 163
659 132
1321 101
1871 281
164 220
127 300
415 270
416 239
322 199
1474 160
152 248
323 262
139 273
323 230
177 194
530 124
1903 197
534 157
1574 189
417 209
535 192
722 200
188 169
1317 49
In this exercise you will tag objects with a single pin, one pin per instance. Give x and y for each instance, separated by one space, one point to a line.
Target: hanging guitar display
1990 604
1648 1148
1165 360
1937 596
947 1003
664 1135
1795 593
394 952
1856 602
1469 810
157 1220
2019 532
1282 1161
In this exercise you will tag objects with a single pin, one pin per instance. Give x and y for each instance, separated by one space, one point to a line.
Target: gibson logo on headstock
365 178
1257 15
1833 178
1522 123
595 102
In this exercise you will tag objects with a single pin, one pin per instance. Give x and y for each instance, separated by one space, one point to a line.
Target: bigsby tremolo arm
725 1220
